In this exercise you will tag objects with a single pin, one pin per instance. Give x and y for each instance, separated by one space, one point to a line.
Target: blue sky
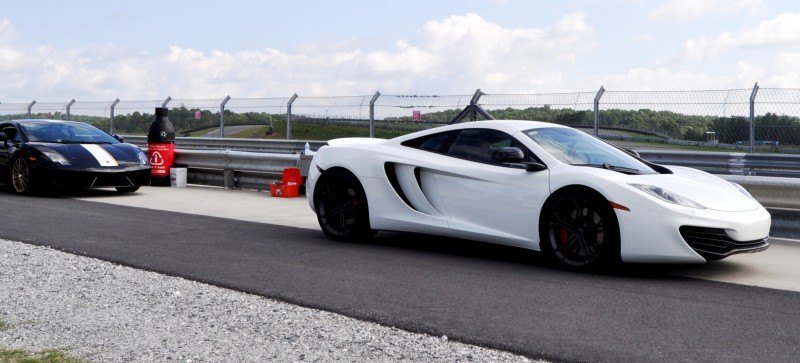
97 50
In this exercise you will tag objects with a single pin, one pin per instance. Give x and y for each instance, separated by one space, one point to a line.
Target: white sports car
533 185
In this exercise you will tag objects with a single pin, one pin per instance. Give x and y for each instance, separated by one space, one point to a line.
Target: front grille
714 243
111 180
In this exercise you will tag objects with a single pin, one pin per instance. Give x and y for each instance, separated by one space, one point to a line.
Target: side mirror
509 155
531 166
4 139
119 138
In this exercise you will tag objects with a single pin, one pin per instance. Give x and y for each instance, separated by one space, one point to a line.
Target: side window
479 145
437 143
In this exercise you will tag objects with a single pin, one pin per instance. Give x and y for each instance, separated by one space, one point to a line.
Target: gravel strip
100 311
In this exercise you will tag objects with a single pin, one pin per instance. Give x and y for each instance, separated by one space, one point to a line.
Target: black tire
341 206
21 177
579 231
130 189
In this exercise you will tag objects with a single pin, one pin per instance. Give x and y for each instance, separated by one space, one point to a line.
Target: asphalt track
477 293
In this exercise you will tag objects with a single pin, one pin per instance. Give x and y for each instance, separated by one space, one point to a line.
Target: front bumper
715 243
93 178
655 235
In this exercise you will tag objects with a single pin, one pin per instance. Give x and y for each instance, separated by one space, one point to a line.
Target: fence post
372 113
753 117
166 101
69 106
289 117
30 106
111 121
222 115
597 110
473 115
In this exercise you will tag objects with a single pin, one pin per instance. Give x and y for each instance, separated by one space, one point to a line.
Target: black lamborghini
40 154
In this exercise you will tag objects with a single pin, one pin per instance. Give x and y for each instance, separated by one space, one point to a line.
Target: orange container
291 180
276 189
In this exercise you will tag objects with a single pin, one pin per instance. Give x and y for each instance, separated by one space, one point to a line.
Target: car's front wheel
21 177
580 231
341 205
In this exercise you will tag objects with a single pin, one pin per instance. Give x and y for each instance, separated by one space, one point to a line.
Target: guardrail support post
229 178
372 113
753 117
222 115
30 107
166 101
69 106
111 113
289 117
596 128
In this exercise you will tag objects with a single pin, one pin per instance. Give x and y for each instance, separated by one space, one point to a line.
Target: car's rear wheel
129 189
580 231
21 177
341 206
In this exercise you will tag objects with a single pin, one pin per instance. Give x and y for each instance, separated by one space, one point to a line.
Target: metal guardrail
775 165
260 145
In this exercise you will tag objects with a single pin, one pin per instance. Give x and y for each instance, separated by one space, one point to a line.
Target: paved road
230 130
489 295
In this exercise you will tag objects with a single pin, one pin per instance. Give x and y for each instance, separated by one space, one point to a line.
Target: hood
701 187
96 155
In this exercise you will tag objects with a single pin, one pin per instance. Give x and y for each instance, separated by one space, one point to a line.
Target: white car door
485 200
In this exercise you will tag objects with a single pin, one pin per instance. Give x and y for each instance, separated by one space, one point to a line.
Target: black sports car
35 154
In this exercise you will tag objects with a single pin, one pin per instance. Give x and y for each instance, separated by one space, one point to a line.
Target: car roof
508 126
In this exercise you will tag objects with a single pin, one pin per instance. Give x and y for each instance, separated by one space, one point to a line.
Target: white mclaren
535 185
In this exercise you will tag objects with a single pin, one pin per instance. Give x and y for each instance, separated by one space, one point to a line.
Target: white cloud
780 71
644 38
455 54
6 30
683 10
783 30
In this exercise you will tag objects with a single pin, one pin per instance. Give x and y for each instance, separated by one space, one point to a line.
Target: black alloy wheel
581 232
341 206
21 180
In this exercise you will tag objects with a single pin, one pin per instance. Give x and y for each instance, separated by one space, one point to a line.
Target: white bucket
177 177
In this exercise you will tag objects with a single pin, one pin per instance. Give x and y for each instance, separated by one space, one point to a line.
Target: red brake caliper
563 236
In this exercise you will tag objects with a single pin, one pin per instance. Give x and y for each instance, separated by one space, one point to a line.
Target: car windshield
66 133
578 148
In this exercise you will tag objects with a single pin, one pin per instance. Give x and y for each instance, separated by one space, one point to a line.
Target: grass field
45 356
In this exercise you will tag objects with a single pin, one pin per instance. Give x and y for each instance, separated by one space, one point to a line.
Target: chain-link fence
571 109
661 119
13 111
256 117
396 115
705 120
324 118
95 113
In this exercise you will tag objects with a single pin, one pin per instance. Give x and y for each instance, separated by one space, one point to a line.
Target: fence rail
748 119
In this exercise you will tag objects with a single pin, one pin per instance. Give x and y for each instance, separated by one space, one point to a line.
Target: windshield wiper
620 169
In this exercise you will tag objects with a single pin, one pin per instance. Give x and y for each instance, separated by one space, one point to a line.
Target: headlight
667 196
743 190
54 156
142 156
